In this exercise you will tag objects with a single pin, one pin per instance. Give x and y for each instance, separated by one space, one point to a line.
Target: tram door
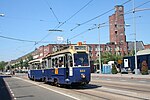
69 65
66 65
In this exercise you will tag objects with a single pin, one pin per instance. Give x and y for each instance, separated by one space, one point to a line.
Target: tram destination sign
80 47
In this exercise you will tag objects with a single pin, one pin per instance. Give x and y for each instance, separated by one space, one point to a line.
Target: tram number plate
82 70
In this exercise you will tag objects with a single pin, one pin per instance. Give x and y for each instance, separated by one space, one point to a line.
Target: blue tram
36 71
70 66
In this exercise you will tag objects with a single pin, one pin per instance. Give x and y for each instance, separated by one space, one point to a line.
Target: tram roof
35 61
58 52
69 49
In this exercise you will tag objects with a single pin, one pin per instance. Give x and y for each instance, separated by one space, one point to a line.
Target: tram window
81 59
38 66
70 61
49 63
56 62
64 61
53 62
61 64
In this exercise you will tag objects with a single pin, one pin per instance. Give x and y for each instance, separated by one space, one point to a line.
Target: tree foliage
107 56
114 69
30 57
144 68
21 63
2 65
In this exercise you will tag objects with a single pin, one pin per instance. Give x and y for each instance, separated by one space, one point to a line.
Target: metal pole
134 29
99 51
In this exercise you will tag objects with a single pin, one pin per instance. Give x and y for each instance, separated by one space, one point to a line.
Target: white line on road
142 81
12 94
123 80
48 88
118 91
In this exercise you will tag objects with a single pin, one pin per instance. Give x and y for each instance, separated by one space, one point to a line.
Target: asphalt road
28 90
100 88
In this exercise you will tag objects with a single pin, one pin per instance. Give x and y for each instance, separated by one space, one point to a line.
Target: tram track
104 91
109 95
123 86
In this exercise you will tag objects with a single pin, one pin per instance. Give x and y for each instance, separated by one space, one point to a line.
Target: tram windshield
81 59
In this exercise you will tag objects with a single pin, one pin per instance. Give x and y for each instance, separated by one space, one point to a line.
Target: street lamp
99 51
99 26
134 29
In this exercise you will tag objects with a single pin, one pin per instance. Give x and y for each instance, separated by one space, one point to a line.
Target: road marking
48 88
123 80
118 91
142 81
12 94
108 79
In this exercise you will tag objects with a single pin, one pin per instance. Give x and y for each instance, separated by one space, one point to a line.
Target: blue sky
31 20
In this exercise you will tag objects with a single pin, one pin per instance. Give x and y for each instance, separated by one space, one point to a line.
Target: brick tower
116 26
117 30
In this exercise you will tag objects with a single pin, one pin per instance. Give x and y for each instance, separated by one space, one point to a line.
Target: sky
29 22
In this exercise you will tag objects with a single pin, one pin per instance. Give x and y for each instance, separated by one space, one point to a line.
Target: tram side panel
36 74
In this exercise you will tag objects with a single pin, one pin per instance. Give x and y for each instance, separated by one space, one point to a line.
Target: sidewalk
131 76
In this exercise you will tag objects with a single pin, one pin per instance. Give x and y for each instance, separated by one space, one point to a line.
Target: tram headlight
83 76
67 80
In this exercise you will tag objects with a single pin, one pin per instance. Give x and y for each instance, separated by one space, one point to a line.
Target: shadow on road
4 92
88 86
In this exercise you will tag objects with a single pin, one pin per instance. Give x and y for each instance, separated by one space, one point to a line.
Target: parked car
8 73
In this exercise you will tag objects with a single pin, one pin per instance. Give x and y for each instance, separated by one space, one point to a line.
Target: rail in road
96 90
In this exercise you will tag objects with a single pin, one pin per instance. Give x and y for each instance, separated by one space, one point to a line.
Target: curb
122 76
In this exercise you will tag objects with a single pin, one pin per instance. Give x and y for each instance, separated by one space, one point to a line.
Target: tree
144 68
107 56
30 57
2 65
114 69
21 63
25 64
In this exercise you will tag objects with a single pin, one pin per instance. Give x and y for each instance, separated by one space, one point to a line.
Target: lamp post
99 50
134 29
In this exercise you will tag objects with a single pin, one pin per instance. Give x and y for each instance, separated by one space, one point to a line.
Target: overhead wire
58 26
21 40
90 29
129 11
96 17
108 21
52 11
54 28
75 13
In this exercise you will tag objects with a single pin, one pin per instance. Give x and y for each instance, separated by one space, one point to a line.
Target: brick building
147 46
117 31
